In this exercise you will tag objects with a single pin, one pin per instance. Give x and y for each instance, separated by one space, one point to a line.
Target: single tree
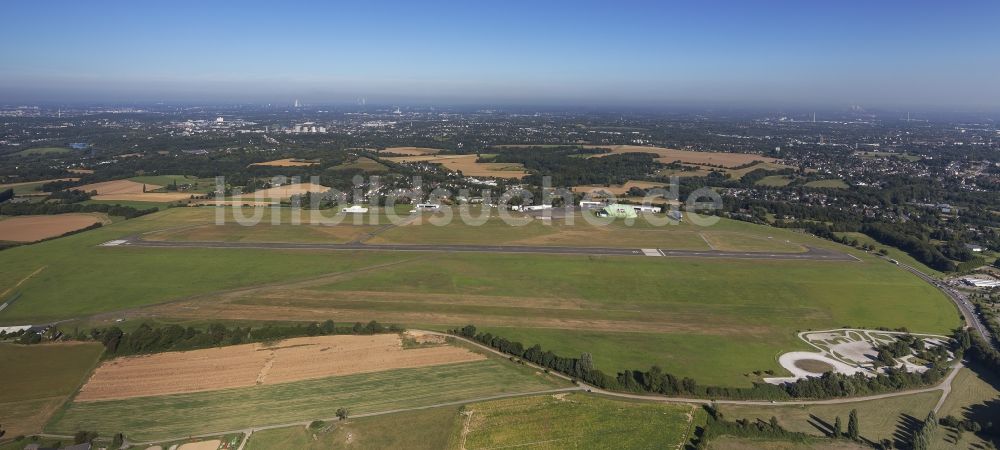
342 413
852 425
837 428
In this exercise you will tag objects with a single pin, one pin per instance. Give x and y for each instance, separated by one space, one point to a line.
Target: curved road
972 319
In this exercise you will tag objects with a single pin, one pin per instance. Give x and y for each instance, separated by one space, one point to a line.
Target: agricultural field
36 228
412 151
128 190
889 418
576 421
195 185
428 429
617 189
363 163
287 162
669 155
247 365
171 416
37 379
287 191
466 164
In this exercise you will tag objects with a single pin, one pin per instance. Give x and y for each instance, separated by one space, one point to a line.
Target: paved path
944 385
812 253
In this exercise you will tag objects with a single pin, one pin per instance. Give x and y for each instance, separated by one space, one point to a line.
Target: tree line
656 381
150 339
49 208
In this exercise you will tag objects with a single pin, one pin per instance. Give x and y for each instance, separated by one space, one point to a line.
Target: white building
354 209
536 207
981 282
587 204
428 206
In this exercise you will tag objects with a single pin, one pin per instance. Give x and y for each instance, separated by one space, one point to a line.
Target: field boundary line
248 431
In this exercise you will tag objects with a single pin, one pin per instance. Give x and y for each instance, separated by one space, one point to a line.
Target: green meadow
715 320
173 416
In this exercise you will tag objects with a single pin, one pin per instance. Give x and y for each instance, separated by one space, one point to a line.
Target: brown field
288 190
117 187
669 155
617 189
128 190
39 182
412 151
201 445
254 364
36 228
467 165
287 162
231 203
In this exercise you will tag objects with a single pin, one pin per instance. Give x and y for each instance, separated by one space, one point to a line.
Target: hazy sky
874 53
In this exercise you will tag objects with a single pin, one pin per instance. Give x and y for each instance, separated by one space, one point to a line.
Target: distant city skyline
918 54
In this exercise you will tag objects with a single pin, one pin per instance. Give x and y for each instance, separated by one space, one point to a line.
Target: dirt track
253 364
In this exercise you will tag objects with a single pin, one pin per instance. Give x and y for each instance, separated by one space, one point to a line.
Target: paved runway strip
812 253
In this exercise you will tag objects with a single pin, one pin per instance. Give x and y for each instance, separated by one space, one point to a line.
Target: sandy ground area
287 162
669 155
287 191
34 228
202 445
254 364
788 360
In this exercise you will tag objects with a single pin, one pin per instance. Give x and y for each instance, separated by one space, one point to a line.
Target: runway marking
651 252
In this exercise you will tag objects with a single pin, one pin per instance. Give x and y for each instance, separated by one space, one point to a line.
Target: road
944 386
811 253
964 306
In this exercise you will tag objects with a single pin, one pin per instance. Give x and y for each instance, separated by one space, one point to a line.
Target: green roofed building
620 211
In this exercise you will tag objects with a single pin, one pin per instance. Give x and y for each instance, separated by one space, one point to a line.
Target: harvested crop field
117 187
287 191
256 364
412 150
131 191
287 162
669 155
467 164
617 189
36 228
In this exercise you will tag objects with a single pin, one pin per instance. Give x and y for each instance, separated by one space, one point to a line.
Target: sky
884 53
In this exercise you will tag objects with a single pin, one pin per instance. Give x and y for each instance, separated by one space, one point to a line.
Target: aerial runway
811 253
